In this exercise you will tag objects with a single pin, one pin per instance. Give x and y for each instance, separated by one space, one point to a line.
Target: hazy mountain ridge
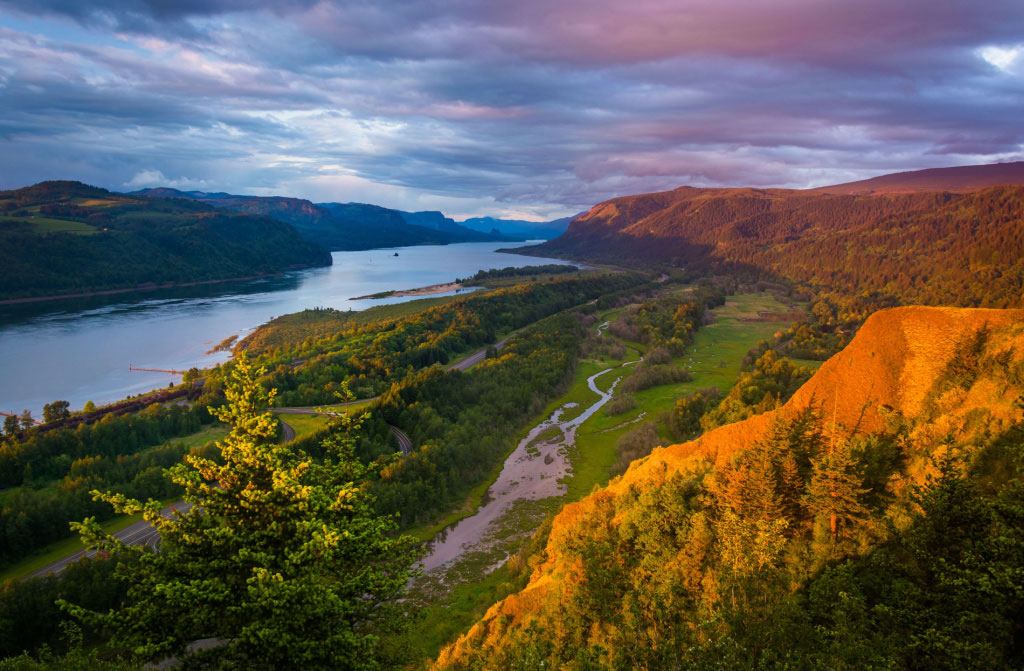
531 229
67 237
906 367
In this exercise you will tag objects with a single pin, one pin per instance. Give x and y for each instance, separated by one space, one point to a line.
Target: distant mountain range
542 230
344 226
952 236
69 238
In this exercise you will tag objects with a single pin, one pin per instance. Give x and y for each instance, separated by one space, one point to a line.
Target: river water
79 350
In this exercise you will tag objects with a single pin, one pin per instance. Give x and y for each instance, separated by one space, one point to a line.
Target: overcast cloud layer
533 108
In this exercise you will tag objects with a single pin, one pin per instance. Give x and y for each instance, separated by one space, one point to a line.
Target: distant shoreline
152 287
422 291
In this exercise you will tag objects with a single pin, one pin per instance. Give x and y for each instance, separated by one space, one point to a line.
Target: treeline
369 358
463 424
482 276
668 322
31 619
47 455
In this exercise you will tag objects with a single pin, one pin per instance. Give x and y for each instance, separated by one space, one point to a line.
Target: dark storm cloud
537 105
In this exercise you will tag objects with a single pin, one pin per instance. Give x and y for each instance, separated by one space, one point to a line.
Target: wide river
79 350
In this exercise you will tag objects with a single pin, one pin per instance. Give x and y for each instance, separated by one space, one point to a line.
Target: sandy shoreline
422 291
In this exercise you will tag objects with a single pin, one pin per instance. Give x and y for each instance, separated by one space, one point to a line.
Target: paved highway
287 432
139 533
404 443
477 357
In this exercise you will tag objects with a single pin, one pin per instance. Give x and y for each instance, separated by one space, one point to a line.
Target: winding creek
531 472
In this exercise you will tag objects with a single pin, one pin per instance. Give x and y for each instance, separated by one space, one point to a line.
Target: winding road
137 533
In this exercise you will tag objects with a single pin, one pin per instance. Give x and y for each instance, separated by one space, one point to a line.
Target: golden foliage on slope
933 248
947 371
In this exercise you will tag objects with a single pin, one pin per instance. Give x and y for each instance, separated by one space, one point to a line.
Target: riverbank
422 291
149 286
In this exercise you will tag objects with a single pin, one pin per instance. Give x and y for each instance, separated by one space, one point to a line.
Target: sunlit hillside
699 538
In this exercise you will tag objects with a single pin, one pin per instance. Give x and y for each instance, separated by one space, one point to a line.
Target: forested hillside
67 238
936 248
874 521
340 226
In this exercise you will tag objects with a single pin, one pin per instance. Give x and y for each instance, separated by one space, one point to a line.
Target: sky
530 109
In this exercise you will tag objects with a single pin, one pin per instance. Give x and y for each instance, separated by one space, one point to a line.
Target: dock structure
11 414
157 370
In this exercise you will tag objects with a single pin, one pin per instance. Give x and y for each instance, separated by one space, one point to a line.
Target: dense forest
67 237
964 249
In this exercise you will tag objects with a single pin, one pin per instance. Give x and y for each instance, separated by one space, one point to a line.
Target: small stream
531 472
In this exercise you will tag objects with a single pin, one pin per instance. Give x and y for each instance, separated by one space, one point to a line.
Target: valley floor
561 458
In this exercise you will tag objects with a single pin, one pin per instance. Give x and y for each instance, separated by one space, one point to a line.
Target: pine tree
11 425
834 491
279 558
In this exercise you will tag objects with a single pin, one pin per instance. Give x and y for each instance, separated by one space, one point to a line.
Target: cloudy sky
531 108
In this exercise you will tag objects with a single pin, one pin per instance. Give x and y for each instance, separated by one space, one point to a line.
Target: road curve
477 357
138 533
404 443
287 432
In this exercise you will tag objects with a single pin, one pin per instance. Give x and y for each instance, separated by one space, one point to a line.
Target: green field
716 354
305 425
48 225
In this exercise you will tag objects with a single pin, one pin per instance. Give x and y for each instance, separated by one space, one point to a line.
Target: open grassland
203 436
305 425
49 225
713 359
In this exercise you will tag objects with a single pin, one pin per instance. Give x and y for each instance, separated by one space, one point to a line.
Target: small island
422 291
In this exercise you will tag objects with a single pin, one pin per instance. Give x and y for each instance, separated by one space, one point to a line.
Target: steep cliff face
937 373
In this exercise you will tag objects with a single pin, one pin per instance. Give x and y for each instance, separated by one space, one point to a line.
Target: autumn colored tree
278 558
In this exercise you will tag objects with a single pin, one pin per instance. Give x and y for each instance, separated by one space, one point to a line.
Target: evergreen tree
11 425
834 492
278 558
